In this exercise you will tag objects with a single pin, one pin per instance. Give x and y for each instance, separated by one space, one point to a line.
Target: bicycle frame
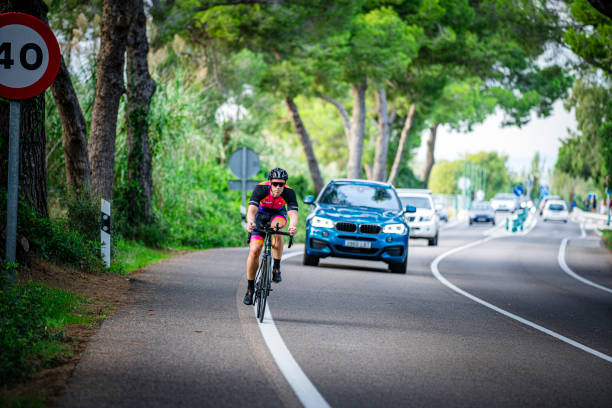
264 273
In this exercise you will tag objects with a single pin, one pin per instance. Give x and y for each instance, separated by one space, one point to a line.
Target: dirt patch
107 294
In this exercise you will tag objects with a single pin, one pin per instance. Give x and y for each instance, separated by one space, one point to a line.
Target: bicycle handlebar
270 230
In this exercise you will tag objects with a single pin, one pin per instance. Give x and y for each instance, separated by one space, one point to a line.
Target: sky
520 144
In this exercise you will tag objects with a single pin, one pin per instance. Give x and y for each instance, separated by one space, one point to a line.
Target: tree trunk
140 90
74 131
402 145
313 165
431 144
358 130
32 137
382 142
345 119
114 26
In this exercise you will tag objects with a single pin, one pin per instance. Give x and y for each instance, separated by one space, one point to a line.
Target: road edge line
568 270
301 385
436 272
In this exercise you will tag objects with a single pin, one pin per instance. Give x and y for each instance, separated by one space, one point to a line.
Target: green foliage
30 316
591 37
588 153
445 174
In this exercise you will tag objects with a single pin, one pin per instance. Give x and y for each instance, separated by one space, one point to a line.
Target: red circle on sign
53 50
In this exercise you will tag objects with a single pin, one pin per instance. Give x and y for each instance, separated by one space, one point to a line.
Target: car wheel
433 241
310 260
493 222
399 267
470 222
565 221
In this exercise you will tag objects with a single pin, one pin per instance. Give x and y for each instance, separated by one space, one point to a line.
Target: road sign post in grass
29 61
244 164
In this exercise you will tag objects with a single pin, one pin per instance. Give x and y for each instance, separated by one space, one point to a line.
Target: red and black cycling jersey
262 198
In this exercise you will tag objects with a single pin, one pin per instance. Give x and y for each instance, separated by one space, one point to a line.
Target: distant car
504 202
545 200
442 211
482 211
555 210
357 219
425 223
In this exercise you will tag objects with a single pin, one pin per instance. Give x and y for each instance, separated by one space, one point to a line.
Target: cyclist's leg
279 220
255 246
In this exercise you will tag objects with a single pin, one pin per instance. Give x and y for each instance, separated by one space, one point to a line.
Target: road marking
567 269
306 392
582 230
436 272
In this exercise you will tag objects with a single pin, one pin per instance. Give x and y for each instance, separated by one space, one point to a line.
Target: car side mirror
410 209
309 200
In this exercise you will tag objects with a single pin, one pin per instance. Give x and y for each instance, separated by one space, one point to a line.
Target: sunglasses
277 184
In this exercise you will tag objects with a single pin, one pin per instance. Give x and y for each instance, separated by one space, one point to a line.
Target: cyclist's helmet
278 173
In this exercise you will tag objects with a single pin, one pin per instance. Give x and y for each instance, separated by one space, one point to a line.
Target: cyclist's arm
250 218
293 221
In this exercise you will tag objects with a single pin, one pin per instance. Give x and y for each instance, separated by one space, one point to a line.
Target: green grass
132 255
607 237
31 318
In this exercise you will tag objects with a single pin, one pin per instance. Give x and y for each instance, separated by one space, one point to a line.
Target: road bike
263 278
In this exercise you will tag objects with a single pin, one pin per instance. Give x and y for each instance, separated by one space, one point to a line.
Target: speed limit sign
29 56
29 61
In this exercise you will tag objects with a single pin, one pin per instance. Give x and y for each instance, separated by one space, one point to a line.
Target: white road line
582 231
306 392
567 269
436 272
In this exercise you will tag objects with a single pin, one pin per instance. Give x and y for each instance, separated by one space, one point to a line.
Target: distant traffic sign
244 163
29 56
464 183
528 183
518 190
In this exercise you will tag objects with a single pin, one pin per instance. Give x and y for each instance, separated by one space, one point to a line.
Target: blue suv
357 219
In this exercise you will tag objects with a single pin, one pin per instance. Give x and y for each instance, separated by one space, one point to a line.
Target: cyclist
270 202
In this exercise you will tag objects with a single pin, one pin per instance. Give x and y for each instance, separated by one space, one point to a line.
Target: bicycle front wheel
265 291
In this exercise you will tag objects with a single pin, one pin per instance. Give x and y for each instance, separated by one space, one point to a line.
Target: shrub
30 316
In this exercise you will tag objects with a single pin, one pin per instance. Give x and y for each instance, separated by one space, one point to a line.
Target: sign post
244 164
29 61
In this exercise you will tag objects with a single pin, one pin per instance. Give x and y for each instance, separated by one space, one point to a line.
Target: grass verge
132 255
607 237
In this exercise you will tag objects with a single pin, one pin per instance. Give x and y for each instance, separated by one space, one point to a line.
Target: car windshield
557 207
360 195
504 197
418 202
481 206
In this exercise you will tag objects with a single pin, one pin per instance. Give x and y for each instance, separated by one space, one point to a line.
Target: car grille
346 226
370 229
367 251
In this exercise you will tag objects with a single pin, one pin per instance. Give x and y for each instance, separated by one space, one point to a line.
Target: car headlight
395 229
322 222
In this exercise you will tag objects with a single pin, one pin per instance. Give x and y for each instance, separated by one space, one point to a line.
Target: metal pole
13 184
243 178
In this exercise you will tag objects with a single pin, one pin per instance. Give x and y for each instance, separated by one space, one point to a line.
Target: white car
504 202
555 210
425 223
545 200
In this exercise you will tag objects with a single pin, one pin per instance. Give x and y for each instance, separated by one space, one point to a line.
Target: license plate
357 244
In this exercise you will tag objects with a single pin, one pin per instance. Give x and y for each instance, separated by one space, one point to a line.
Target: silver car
482 211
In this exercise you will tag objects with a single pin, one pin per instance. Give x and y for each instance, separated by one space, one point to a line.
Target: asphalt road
364 336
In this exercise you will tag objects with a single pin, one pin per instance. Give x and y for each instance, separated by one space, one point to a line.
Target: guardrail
517 221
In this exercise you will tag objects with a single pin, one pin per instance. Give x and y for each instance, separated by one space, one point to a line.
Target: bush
30 316
58 240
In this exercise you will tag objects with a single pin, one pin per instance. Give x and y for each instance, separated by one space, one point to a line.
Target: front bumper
324 242
423 229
